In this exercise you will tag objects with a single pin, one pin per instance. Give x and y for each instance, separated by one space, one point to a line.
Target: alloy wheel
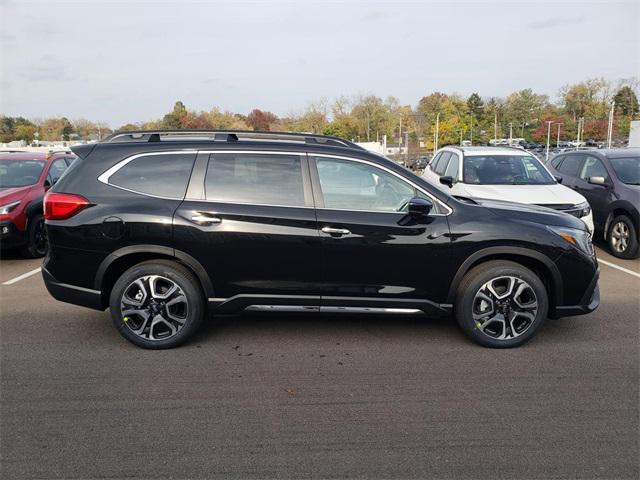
620 237
40 237
154 307
505 307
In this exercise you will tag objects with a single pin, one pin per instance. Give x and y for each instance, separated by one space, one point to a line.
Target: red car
24 179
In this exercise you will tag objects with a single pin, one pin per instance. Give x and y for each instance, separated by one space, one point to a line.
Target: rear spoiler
83 151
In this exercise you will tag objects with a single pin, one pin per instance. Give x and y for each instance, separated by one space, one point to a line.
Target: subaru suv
166 228
504 173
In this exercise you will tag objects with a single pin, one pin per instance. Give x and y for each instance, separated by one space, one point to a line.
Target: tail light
60 206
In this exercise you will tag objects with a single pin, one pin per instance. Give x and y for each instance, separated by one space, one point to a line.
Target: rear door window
255 178
571 165
160 175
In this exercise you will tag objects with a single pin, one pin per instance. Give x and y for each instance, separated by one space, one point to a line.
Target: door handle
335 231
205 219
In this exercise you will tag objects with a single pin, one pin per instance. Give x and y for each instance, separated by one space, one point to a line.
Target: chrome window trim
104 177
441 204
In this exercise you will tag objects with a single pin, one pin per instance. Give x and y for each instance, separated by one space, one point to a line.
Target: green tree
626 102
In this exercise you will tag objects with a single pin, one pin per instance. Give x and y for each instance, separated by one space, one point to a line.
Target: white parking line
22 277
618 267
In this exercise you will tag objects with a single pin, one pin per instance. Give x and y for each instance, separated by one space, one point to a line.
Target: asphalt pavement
266 396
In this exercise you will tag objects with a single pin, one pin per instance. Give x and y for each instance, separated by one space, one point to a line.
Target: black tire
525 321
160 273
626 247
37 244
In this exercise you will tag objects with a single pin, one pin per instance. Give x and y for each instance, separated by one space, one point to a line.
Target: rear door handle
201 219
335 231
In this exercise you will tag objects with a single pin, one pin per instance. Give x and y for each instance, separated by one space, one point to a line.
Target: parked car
500 173
610 181
24 179
164 229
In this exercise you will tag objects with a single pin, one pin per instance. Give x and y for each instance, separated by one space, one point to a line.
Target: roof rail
226 136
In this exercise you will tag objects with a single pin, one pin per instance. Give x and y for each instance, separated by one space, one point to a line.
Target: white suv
500 173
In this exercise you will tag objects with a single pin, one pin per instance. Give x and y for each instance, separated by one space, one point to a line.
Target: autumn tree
260 120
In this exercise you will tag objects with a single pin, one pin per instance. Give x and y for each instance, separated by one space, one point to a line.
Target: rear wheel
157 304
623 238
501 304
36 238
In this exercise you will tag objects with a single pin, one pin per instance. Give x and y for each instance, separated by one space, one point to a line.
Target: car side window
571 165
555 163
593 167
350 185
158 175
453 167
443 162
434 161
56 170
255 178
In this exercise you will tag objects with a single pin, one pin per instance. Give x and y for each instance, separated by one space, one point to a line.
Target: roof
617 152
25 155
471 151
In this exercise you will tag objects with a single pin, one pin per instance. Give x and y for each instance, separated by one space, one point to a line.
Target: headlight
580 239
4 209
583 209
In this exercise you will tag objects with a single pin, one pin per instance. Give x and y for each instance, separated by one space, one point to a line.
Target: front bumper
64 292
11 236
590 301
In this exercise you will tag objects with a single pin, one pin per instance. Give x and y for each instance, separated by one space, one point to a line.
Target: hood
532 213
531 194
13 194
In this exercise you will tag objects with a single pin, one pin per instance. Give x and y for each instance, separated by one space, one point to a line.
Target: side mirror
47 184
558 178
419 207
448 181
597 181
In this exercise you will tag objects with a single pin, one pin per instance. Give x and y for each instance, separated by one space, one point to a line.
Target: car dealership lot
323 396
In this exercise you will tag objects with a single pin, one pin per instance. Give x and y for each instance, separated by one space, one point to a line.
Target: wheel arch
539 263
621 207
119 261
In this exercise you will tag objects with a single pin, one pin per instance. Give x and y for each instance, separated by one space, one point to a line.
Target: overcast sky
130 61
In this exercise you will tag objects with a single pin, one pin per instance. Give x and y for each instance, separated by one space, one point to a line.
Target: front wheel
623 238
501 304
157 304
36 238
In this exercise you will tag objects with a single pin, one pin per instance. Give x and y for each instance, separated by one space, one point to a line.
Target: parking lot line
618 267
22 277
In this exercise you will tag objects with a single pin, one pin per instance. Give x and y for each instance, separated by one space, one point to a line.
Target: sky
129 61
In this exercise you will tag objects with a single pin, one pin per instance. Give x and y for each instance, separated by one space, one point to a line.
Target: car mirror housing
419 207
447 180
597 180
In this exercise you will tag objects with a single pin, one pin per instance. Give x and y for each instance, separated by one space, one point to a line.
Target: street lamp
549 122
558 141
435 142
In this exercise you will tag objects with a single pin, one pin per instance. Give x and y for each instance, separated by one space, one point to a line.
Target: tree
259 120
475 105
174 120
25 132
626 102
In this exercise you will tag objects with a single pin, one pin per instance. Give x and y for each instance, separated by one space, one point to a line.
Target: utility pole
461 131
471 131
510 133
549 122
610 129
406 149
495 126
435 143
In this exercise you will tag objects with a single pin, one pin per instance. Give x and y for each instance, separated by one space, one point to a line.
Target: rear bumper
11 236
590 301
64 292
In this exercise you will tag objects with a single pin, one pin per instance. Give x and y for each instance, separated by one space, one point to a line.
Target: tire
501 304
37 244
142 314
623 238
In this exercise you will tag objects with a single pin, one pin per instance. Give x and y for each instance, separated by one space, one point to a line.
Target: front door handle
335 231
205 219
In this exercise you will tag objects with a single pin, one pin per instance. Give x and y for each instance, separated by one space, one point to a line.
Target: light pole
610 127
549 122
510 133
558 142
435 143
495 126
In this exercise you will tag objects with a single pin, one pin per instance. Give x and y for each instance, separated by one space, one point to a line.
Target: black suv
610 181
165 227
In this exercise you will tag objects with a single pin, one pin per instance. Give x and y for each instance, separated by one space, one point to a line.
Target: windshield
627 169
505 170
20 173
